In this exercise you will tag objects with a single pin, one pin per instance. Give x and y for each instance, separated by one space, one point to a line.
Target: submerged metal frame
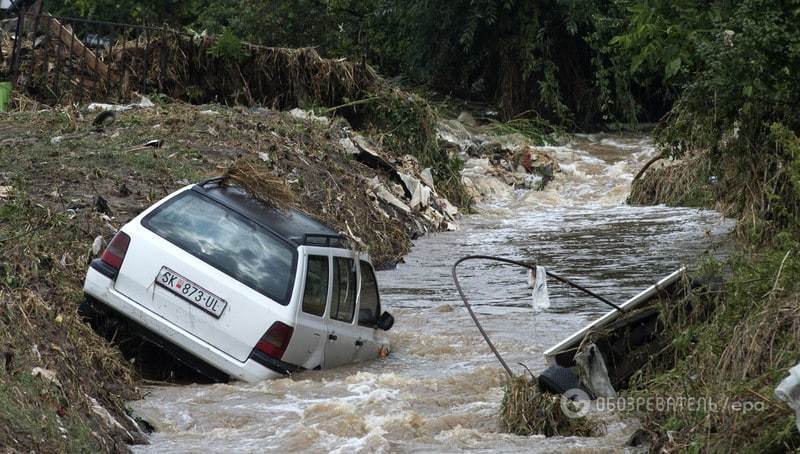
632 303
530 266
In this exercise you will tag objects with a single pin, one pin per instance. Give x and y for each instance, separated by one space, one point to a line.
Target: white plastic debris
348 146
46 374
144 103
427 177
106 417
593 372
97 245
537 282
789 391
308 115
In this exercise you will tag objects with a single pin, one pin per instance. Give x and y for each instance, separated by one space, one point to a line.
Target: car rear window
227 241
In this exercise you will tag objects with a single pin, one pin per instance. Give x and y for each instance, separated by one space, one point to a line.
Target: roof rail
212 180
330 240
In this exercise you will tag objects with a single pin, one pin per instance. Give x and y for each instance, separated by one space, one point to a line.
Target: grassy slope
734 358
49 220
752 337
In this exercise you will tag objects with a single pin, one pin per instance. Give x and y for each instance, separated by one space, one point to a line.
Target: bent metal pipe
530 266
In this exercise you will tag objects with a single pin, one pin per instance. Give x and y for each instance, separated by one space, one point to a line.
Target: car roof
289 224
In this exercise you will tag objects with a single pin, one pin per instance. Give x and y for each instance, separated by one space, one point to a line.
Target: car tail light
274 342
116 250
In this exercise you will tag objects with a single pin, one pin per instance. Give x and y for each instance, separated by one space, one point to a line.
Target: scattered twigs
778 275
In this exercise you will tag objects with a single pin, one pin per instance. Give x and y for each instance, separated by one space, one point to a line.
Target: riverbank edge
733 357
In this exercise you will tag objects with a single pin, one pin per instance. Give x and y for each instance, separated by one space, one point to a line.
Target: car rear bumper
101 288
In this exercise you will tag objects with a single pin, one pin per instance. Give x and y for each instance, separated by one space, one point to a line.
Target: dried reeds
259 182
6 48
304 170
269 76
756 344
526 410
682 183
183 67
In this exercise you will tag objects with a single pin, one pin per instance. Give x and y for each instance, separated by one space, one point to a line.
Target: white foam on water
440 389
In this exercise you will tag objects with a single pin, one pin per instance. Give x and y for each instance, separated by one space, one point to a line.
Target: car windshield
227 241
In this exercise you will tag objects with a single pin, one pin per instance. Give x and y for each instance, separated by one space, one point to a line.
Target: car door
368 311
310 332
342 334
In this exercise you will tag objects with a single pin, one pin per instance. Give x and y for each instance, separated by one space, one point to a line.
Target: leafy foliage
529 57
131 11
734 63
727 70
228 47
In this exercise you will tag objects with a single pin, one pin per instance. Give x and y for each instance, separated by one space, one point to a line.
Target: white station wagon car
219 279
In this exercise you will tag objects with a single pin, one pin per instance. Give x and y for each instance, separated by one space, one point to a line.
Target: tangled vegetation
226 69
547 58
721 369
733 135
525 410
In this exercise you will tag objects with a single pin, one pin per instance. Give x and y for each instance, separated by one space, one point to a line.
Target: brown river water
440 389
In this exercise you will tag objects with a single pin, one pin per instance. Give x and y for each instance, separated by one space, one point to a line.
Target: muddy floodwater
440 389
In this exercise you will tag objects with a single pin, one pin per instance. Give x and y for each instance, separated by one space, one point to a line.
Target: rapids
440 389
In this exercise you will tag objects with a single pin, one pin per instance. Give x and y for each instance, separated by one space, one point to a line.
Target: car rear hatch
209 270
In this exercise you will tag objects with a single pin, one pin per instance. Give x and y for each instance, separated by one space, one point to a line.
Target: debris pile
377 200
80 179
281 78
685 182
181 66
381 200
496 165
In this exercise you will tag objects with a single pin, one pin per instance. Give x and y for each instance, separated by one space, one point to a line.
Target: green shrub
228 47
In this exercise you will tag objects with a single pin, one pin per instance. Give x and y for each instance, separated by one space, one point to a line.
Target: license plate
191 292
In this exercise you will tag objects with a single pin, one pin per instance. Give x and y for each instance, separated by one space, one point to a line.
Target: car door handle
332 337
359 343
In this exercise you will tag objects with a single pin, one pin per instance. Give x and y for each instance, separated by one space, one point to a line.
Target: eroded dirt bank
68 181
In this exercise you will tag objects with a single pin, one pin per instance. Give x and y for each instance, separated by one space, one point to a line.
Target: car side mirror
385 321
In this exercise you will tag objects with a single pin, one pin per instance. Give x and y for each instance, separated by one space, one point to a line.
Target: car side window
370 300
343 303
315 294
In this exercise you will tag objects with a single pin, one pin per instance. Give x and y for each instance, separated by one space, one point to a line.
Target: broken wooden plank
77 48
